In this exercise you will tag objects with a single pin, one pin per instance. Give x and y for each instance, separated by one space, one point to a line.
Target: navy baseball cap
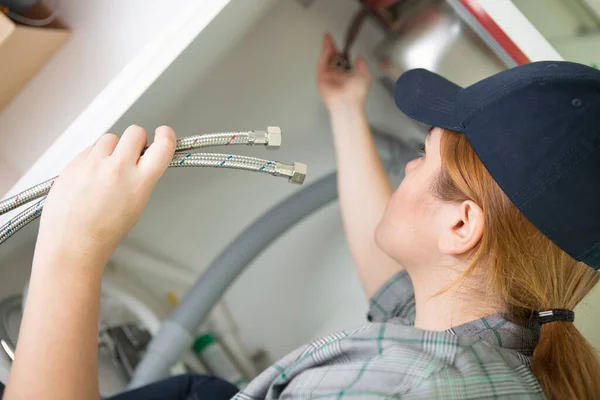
536 128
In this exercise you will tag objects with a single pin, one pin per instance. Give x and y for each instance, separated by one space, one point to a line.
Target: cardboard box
23 52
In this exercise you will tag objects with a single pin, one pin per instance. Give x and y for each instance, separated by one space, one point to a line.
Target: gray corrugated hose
178 331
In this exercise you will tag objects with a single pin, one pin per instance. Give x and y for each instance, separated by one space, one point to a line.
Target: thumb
328 53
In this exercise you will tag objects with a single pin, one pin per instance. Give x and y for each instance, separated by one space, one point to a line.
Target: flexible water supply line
34 192
21 220
295 173
270 138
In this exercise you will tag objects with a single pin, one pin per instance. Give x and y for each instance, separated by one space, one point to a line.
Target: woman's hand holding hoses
101 194
98 198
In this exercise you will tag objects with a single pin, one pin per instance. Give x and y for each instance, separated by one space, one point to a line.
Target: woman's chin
383 240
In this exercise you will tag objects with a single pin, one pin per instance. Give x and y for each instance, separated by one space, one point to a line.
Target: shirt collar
498 331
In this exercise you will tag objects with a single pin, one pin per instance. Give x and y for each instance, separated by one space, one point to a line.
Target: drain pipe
176 334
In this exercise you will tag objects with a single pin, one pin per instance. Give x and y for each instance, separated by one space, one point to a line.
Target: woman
473 265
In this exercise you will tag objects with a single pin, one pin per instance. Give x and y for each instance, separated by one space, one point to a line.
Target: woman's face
410 227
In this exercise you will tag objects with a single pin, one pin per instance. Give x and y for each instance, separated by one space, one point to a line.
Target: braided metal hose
223 160
295 173
271 138
26 196
21 220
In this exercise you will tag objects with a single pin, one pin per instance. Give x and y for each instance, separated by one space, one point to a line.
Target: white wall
580 49
586 317
594 5
553 18
7 175
169 92
15 261
570 28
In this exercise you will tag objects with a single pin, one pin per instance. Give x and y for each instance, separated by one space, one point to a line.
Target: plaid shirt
390 359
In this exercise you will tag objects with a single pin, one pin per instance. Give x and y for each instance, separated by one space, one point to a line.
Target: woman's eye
422 150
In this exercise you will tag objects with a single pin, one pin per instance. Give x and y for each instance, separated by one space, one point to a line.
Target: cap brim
428 98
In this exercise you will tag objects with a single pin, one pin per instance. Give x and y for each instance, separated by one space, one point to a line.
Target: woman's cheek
392 229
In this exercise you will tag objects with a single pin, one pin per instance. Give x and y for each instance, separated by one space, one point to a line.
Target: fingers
132 143
328 53
156 159
329 44
86 152
105 146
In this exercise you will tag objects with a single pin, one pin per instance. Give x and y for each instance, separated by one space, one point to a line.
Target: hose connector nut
299 173
295 173
273 137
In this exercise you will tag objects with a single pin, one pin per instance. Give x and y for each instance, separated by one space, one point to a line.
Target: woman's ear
464 229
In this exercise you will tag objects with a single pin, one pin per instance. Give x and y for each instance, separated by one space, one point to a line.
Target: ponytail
528 271
565 363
